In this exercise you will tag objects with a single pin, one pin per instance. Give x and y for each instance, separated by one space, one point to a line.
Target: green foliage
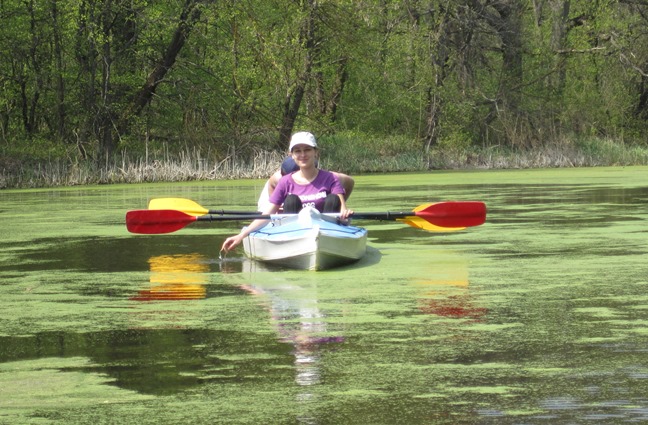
609 152
358 152
375 75
36 150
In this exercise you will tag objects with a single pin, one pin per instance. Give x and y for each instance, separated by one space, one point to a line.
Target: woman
309 186
289 166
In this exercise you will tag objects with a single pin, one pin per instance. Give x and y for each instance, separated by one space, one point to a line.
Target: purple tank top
312 194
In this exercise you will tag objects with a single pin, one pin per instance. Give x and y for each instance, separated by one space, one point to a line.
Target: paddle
193 208
443 214
188 206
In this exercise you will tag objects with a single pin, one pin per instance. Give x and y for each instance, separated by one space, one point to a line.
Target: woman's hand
345 214
232 242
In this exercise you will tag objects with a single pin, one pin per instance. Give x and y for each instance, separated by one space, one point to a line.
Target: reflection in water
300 322
231 264
176 277
447 293
455 306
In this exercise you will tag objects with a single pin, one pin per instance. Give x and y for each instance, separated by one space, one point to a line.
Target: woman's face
304 155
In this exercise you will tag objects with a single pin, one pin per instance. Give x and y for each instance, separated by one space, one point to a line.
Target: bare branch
580 51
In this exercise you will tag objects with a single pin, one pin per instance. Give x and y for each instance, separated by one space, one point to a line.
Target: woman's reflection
300 322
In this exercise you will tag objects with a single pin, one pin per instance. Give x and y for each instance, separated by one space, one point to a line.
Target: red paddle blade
454 214
152 222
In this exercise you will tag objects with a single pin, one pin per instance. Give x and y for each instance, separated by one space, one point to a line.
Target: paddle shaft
190 207
229 212
449 221
248 215
167 221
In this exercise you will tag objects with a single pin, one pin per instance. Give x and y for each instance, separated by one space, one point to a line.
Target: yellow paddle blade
422 207
187 206
420 223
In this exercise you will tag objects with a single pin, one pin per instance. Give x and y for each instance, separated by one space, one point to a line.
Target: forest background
103 91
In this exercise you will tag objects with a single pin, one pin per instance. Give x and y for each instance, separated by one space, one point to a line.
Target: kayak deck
307 241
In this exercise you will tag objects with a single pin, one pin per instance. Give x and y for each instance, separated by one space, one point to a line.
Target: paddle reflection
447 293
176 277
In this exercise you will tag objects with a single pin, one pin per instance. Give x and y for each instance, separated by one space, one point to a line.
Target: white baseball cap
302 138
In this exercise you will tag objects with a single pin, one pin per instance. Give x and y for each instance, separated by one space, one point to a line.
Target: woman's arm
233 241
347 183
272 182
344 212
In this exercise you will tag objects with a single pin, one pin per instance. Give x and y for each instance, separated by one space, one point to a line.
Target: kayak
309 240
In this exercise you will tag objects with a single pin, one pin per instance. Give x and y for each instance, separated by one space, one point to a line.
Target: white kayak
307 241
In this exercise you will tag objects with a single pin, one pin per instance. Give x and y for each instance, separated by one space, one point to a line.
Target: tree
233 78
295 94
188 17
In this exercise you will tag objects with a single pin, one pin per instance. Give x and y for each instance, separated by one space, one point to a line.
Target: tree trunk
190 15
107 143
509 29
641 111
338 88
538 6
560 19
60 84
30 99
507 23
295 94
439 43
327 103
87 60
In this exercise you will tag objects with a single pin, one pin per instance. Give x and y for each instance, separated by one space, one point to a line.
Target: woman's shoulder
326 173
286 178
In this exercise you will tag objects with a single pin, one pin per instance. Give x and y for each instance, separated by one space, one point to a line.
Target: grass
398 154
186 166
349 153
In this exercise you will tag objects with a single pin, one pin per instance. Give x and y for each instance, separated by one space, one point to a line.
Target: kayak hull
307 241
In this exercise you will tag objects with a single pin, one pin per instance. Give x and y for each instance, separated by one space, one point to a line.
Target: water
539 316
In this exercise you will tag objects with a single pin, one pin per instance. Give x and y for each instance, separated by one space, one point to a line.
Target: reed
357 156
187 165
344 153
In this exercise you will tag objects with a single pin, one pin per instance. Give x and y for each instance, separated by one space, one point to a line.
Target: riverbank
364 157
